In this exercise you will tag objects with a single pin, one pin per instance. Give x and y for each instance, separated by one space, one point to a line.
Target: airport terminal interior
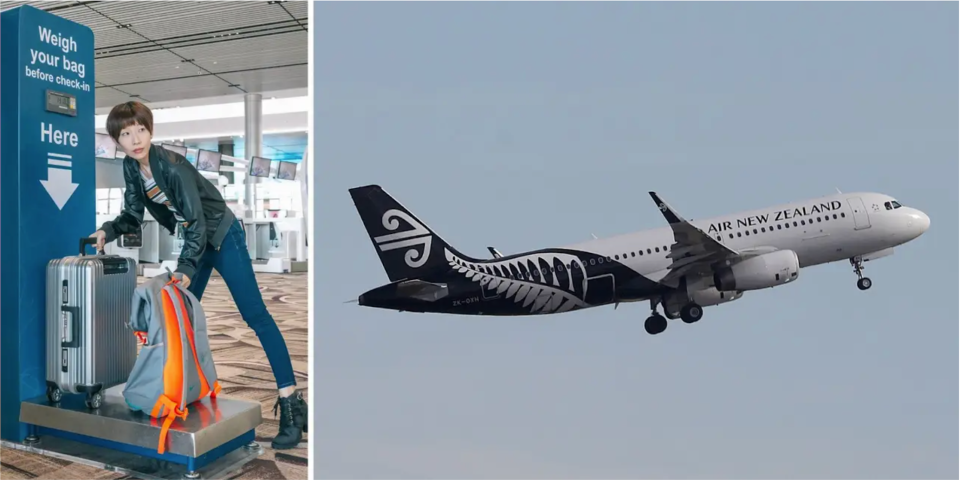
227 84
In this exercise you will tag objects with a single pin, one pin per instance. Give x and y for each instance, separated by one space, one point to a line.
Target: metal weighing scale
216 437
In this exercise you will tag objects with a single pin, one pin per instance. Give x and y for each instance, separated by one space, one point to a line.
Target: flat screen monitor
208 161
260 167
131 240
287 171
106 147
175 148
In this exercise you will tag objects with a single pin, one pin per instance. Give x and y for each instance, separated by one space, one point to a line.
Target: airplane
680 268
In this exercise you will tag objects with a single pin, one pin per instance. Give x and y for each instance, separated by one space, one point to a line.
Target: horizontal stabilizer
394 294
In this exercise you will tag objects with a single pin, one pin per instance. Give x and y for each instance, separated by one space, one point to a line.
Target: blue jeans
233 263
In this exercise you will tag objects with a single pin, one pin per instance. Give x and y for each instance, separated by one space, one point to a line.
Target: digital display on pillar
60 102
260 167
106 147
287 171
208 161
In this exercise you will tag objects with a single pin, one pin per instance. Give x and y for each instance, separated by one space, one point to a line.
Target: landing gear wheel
863 283
691 313
94 401
54 394
655 324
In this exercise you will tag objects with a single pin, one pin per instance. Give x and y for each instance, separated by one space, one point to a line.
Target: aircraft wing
693 251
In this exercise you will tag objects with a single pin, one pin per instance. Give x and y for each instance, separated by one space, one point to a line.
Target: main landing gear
656 323
863 283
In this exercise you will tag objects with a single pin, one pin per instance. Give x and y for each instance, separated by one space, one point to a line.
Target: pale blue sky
532 125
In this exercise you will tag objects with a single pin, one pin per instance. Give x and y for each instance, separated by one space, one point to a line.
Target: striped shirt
157 196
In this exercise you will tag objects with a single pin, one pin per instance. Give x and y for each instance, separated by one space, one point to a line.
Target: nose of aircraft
919 221
923 222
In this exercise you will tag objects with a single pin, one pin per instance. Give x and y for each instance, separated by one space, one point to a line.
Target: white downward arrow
59 185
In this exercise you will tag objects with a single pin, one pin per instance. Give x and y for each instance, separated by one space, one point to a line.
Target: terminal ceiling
157 51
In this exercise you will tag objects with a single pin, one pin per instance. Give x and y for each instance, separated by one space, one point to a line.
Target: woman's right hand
101 237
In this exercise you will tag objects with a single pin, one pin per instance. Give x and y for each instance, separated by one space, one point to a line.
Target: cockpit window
892 205
888 205
896 204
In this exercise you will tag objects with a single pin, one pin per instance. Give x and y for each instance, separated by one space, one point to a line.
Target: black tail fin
407 249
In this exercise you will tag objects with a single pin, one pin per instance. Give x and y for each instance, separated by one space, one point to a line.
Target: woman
175 193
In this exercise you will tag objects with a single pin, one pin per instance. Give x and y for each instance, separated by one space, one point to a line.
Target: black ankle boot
293 421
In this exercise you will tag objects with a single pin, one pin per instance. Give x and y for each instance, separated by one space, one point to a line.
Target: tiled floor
243 371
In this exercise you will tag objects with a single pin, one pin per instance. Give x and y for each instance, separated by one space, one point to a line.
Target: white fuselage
819 230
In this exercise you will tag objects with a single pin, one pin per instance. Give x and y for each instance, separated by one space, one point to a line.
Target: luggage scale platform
217 434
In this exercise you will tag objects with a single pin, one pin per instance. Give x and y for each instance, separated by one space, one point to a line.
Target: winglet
496 253
668 212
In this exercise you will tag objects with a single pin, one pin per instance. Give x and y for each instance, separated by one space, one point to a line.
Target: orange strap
188 327
171 412
173 366
141 338
205 387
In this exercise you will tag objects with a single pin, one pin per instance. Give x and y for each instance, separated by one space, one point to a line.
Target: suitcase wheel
94 401
54 394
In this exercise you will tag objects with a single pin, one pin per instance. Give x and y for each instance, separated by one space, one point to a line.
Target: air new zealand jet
680 268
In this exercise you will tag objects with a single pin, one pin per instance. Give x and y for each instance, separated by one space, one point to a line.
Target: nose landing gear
863 283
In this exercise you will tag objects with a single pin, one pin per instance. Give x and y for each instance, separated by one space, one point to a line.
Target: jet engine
755 273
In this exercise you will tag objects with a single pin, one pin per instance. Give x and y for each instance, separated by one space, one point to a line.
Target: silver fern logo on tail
419 235
540 291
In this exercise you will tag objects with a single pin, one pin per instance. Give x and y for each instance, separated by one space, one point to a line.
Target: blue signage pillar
47 185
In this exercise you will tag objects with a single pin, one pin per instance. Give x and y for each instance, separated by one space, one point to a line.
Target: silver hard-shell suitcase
89 346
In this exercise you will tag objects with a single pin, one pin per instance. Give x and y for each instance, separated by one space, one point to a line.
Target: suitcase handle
88 241
74 327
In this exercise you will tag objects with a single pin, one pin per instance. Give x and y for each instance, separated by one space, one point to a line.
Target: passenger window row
640 253
523 275
785 225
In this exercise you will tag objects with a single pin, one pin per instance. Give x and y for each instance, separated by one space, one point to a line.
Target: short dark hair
126 114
